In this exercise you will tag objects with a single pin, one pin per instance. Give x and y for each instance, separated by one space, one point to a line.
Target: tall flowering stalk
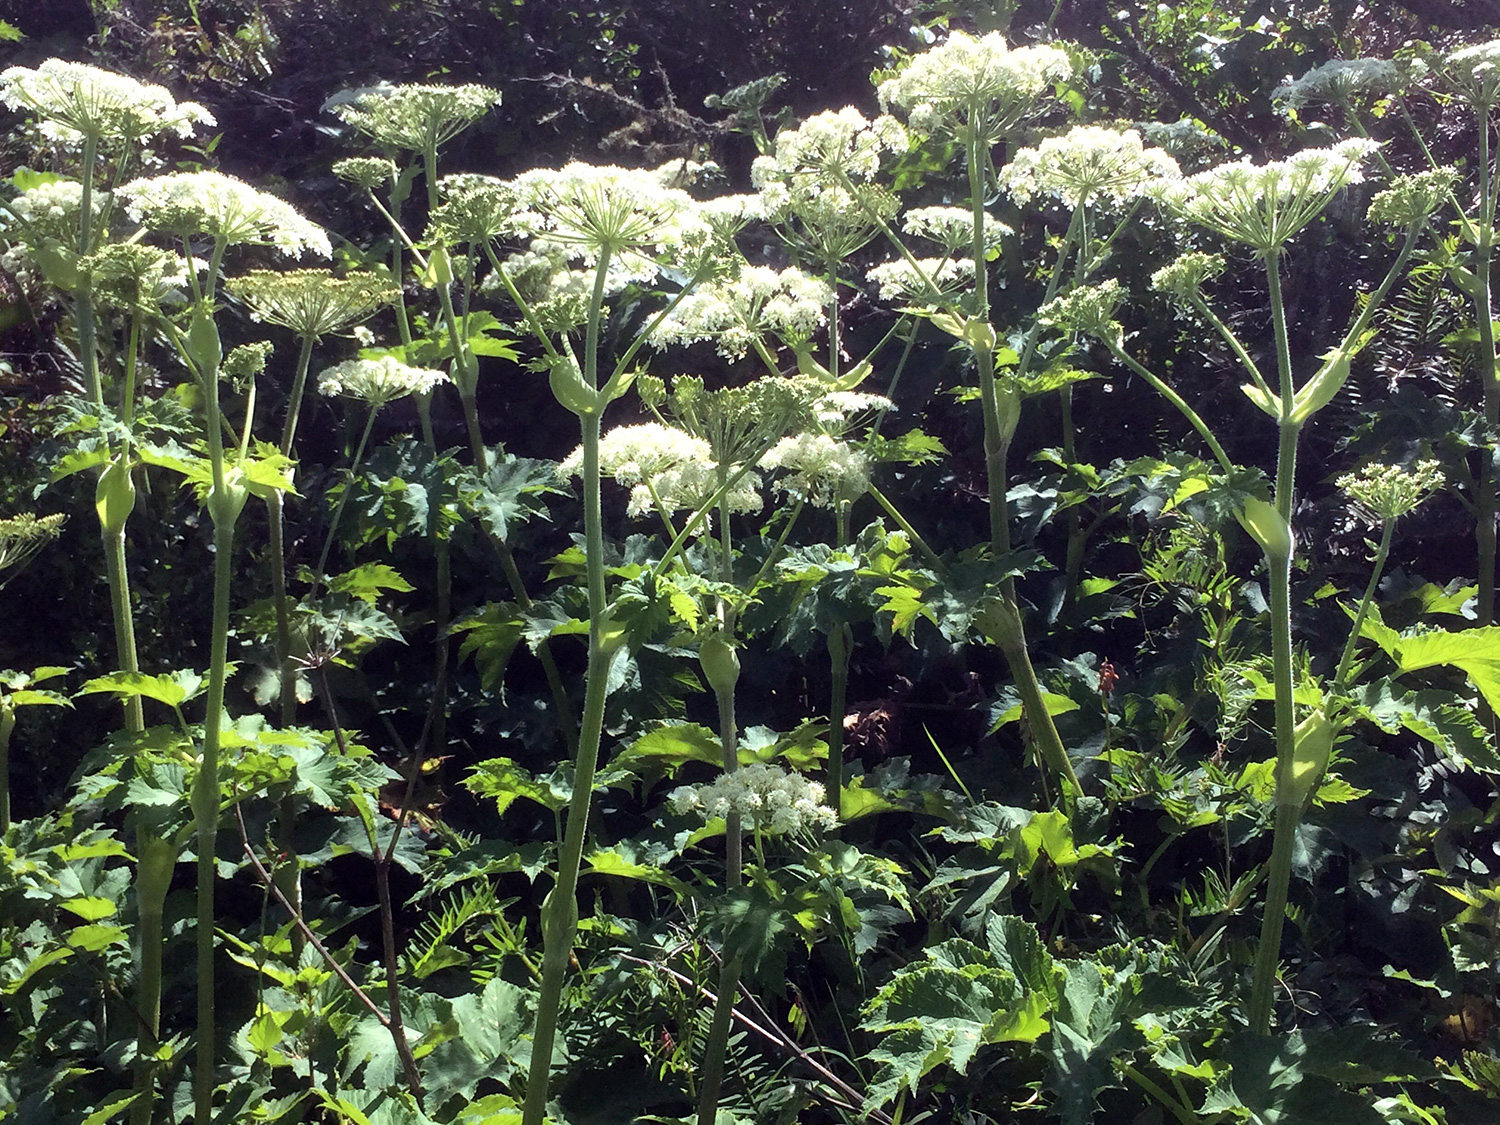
617 225
1474 74
975 92
226 212
1263 206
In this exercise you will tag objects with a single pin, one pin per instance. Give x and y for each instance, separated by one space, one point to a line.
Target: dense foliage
925 562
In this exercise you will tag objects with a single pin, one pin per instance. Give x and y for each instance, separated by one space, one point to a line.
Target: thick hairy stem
156 858
1263 982
119 597
716 1048
1033 702
1267 953
397 1024
1485 482
840 641
7 726
560 911
206 801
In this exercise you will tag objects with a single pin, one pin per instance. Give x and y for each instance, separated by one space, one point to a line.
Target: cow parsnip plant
722 526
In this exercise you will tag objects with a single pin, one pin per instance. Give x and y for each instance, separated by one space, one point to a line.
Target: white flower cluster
980 83
821 470
369 172
831 145
474 208
51 210
929 279
211 203
952 228
1088 309
311 302
775 801
1388 492
662 464
587 208
75 100
1339 81
1475 71
1410 199
132 275
1264 205
1086 162
414 117
736 312
1183 278
834 409
1183 137
378 381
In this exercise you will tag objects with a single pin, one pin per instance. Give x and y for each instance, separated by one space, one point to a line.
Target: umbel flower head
776 802
311 302
832 145
51 210
224 208
952 228
474 208
1086 162
378 381
662 465
1410 199
587 209
1388 492
1341 81
1184 277
73 101
968 84
132 275
369 172
21 537
1264 205
930 280
1474 71
820 469
1088 309
736 312
413 117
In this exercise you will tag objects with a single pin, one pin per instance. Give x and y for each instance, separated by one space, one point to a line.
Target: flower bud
720 663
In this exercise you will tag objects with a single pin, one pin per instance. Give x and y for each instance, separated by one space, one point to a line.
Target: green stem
119 595
205 797
1183 1113
1489 373
156 859
88 352
338 511
926 551
1365 603
7 726
1279 566
1267 953
716 1048
560 910
1165 390
840 647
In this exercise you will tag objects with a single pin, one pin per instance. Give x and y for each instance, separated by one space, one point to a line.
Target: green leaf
1475 651
611 862
1272 1077
369 581
504 781
170 688
673 745
1055 704
115 1104
93 938
490 637
90 907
